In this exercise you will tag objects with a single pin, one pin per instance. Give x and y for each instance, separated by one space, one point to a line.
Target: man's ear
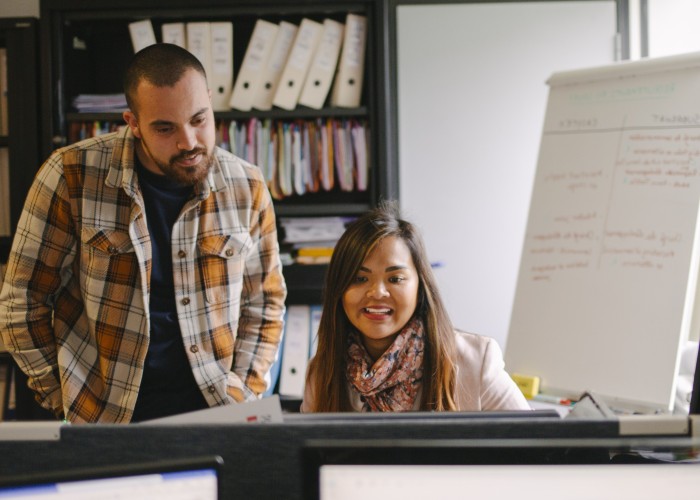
132 122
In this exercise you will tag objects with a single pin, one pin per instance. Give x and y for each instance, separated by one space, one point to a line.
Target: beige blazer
482 382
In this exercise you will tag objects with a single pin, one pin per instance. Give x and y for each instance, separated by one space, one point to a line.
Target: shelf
304 283
277 114
86 46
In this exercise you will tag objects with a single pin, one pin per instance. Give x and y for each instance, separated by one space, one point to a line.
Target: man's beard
187 176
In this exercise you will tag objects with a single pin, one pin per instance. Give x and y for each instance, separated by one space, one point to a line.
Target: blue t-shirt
168 386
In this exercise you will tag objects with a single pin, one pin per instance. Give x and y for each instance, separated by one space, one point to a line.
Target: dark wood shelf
20 37
275 114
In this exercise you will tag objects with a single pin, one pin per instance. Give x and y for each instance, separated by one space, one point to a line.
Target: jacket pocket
221 265
107 263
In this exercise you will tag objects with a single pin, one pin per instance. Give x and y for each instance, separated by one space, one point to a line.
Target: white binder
141 34
295 355
199 43
174 33
221 76
298 62
347 88
249 78
322 69
272 71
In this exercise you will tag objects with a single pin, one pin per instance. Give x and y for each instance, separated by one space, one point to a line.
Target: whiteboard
472 95
607 279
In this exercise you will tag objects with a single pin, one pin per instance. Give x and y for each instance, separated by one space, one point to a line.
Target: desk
264 461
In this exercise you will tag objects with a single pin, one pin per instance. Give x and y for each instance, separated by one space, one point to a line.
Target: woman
385 341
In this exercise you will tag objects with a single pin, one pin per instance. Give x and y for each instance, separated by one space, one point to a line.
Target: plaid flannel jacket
74 306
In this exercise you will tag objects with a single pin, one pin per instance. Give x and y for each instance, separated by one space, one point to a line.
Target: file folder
295 356
199 44
297 66
284 166
297 160
221 77
174 33
359 147
250 75
141 34
327 155
347 88
272 71
323 66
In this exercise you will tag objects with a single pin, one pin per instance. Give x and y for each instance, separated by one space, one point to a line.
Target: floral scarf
392 382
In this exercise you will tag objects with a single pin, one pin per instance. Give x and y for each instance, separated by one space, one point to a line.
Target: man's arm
262 305
38 266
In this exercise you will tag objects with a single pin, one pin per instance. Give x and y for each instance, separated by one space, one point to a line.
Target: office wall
673 27
19 8
471 103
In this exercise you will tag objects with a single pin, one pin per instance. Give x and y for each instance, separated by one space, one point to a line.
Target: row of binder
299 342
296 157
77 131
302 156
284 64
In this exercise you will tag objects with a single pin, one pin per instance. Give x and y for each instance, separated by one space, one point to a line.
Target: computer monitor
486 469
508 482
184 479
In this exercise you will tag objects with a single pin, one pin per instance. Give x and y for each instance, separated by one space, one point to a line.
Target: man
144 278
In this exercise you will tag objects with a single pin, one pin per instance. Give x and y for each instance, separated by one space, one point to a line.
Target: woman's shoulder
472 340
476 350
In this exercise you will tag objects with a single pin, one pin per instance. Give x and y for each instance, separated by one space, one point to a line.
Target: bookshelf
86 45
19 137
19 39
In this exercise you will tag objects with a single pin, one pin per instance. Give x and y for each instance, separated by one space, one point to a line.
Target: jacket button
211 389
229 252
112 249
181 254
194 348
185 301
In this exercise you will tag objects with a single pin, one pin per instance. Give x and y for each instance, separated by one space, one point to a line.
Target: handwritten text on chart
563 250
660 159
576 181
